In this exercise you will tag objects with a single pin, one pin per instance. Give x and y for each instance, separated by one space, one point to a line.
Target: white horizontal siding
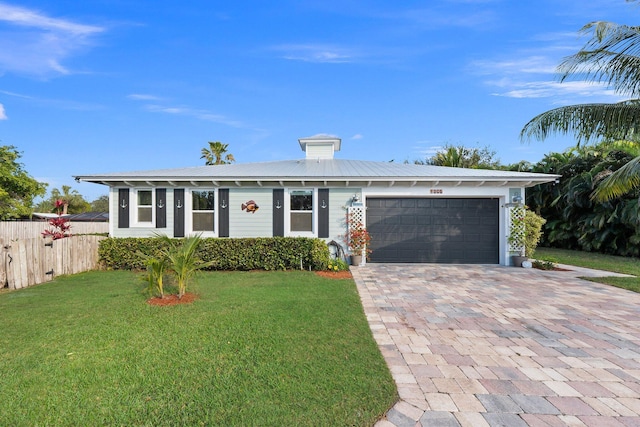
134 231
246 224
319 151
339 201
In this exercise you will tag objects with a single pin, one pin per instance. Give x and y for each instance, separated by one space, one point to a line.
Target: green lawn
598 261
257 348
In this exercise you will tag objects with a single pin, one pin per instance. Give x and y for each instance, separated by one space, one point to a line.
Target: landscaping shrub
262 253
533 231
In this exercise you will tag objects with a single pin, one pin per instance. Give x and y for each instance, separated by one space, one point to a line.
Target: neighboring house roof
80 217
90 217
310 172
48 215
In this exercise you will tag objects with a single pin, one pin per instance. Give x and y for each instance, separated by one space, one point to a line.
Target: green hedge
262 253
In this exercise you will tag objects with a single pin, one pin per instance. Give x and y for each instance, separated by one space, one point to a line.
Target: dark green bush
262 253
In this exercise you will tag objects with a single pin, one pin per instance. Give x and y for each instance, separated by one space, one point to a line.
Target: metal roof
324 171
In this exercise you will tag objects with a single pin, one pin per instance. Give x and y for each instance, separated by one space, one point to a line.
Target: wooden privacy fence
27 262
16 230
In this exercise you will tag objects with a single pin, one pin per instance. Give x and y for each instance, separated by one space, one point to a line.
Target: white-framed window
203 210
143 211
301 211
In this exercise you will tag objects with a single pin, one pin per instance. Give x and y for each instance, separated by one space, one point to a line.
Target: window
202 208
301 210
145 206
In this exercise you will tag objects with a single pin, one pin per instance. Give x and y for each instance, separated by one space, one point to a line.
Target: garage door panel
434 230
407 220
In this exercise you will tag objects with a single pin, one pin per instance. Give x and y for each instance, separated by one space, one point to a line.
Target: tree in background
216 154
574 219
17 188
611 56
101 204
464 157
73 200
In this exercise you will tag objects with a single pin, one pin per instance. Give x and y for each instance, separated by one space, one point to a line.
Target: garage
434 230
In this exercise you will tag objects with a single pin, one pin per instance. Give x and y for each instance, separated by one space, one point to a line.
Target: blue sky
121 85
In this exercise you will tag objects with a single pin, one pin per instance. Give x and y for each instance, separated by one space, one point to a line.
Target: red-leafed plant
357 238
58 227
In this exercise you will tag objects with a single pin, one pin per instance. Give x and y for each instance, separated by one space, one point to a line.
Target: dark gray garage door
434 230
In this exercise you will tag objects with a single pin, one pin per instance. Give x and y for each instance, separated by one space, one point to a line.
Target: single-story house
414 213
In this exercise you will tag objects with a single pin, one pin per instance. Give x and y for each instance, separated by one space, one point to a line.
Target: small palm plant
156 269
183 261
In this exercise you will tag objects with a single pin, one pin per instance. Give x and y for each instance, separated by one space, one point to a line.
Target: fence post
4 261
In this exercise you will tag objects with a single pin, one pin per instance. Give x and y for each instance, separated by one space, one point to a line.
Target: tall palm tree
611 56
215 154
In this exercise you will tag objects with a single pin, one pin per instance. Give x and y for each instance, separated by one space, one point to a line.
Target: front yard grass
257 348
617 264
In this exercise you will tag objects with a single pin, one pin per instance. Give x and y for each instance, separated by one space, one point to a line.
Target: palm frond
611 56
586 121
622 181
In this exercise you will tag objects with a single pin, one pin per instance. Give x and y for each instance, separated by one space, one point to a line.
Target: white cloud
196 113
3 114
316 53
357 136
572 90
532 73
535 64
143 97
34 43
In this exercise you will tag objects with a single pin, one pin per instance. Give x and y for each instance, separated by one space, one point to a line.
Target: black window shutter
323 212
123 208
223 212
178 212
161 208
278 212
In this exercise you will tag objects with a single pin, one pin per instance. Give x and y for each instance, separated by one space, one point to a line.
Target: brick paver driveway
502 346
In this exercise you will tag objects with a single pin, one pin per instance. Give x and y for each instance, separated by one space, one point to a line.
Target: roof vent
320 146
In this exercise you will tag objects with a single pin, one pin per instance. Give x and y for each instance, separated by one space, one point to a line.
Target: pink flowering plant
58 227
358 238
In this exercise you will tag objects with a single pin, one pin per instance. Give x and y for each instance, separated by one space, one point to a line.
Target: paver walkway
502 346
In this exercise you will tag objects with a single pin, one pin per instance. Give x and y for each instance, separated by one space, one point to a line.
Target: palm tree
183 260
215 154
611 56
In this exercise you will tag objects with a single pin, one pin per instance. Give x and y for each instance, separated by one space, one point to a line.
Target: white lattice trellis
516 229
356 217
356 214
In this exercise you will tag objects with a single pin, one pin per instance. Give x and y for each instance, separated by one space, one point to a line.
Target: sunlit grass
263 348
617 264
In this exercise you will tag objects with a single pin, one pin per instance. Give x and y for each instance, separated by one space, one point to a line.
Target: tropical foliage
533 232
59 227
156 269
574 219
611 57
183 260
17 187
217 154
101 204
72 199
464 157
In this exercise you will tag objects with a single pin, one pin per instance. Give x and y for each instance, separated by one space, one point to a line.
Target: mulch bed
345 274
553 269
187 298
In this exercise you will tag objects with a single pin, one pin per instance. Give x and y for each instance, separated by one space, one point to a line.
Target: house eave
281 182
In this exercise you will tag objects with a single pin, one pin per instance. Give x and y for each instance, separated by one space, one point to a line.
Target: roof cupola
320 146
